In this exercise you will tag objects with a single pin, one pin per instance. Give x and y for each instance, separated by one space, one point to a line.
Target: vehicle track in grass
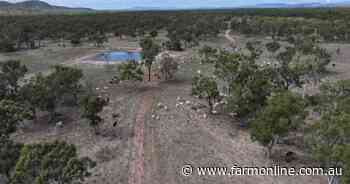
230 38
137 166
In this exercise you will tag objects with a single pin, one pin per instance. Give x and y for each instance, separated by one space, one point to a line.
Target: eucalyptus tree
11 114
304 60
283 113
248 84
168 66
91 106
56 162
208 54
11 72
63 83
34 94
150 49
207 88
9 155
327 137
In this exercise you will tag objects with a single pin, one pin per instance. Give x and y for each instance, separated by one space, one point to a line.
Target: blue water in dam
119 56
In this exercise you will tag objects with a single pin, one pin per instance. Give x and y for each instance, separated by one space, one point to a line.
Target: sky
125 4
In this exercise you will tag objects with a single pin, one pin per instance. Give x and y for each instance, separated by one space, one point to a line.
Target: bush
7 46
174 45
56 162
168 66
75 41
130 71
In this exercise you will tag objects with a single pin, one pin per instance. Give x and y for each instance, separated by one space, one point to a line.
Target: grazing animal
59 124
290 156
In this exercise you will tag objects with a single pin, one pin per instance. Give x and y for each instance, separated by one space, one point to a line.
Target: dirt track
137 166
229 37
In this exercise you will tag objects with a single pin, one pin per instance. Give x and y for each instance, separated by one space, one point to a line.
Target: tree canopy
283 113
51 162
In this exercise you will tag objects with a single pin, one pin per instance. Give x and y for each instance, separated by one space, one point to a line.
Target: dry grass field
158 130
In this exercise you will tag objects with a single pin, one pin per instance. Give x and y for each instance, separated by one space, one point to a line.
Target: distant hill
302 5
342 4
4 4
37 5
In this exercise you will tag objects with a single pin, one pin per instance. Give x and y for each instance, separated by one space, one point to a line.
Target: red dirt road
137 171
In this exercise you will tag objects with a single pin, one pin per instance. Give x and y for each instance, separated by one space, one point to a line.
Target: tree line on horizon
17 32
184 28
